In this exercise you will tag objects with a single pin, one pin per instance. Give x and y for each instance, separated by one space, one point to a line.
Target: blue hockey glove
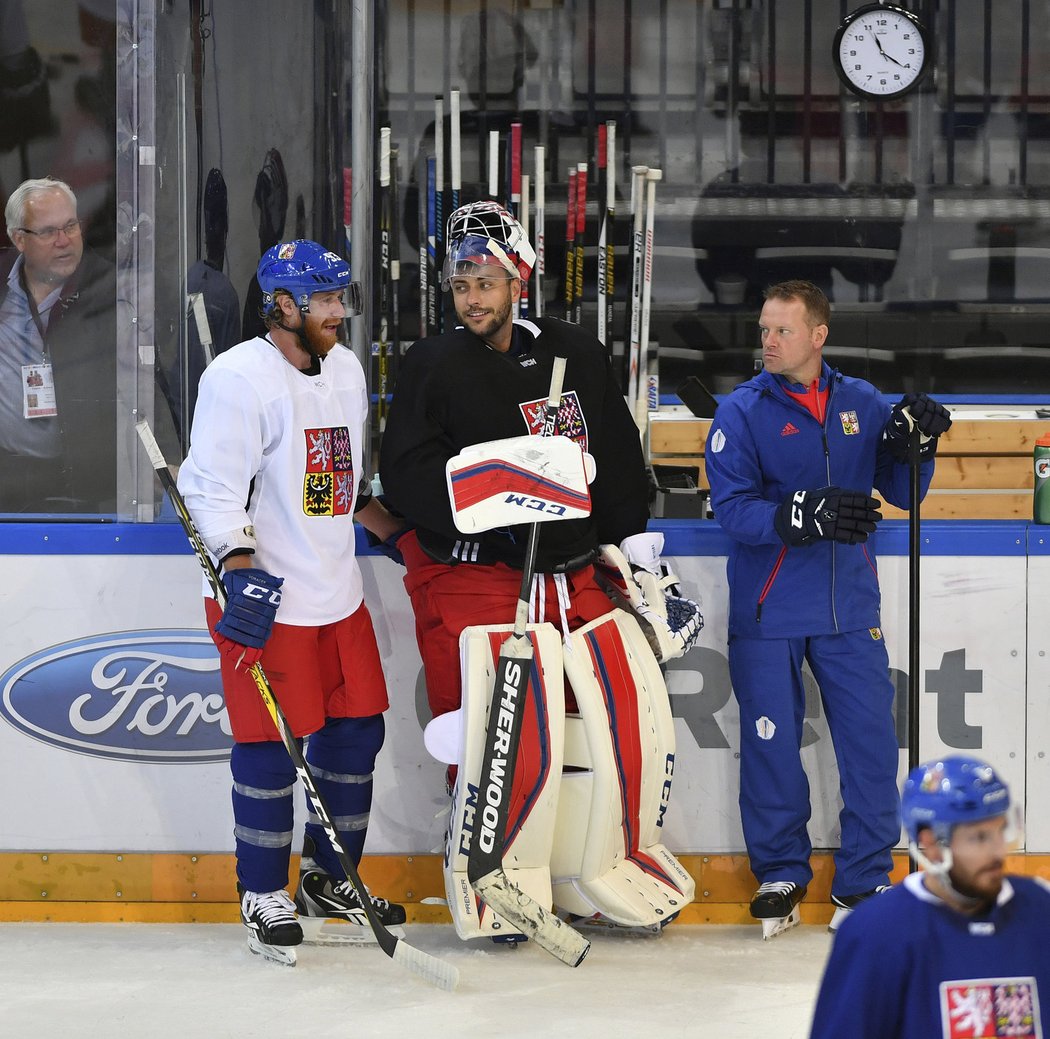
915 411
252 598
829 513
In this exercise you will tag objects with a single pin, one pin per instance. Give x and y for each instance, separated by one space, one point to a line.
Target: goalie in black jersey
484 387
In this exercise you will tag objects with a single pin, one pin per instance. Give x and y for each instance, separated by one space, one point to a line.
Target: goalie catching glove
641 582
915 411
831 514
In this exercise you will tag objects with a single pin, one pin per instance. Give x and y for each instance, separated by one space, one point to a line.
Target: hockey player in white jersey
594 763
958 950
274 482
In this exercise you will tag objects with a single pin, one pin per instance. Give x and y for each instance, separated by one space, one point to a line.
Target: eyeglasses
49 235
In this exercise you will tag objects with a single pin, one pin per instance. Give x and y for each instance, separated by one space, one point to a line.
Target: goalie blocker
591 788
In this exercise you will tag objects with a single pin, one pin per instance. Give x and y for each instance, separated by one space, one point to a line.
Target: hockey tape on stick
430 968
485 861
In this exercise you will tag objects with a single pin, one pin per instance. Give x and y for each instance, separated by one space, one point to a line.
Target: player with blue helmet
303 270
274 479
958 949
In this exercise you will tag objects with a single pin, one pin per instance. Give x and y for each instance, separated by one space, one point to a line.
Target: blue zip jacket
763 447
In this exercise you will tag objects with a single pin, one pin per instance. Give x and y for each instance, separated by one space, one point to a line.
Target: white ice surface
189 981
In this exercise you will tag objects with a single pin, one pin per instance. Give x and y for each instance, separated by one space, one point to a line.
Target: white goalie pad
534 792
526 479
619 760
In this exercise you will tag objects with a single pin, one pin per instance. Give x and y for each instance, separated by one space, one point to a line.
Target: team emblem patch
876 633
570 422
850 423
328 485
990 1008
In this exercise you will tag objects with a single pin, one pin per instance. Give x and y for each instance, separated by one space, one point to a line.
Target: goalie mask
484 240
302 268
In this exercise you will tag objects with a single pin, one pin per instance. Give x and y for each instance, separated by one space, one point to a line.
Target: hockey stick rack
502 737
430 968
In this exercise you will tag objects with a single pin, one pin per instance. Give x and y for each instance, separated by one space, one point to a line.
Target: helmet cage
487 220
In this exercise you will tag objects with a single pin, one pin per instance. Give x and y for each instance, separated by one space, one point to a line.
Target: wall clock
881 52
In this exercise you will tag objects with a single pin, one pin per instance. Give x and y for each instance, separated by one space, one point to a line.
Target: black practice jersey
454 391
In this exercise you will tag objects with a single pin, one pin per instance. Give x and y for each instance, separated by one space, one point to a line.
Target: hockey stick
637 234
456 156
648 396
430 968
384 275
432 269
439 207
395 271
506 715
523 303
914 663
581 227
570 244
536 296
421 216
493 185
610 234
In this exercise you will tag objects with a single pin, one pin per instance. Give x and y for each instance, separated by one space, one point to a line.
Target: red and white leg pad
534 794
619 758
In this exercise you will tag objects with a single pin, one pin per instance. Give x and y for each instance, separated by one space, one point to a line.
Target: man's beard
500 316
314 338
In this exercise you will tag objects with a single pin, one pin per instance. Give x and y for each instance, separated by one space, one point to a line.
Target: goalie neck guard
484 239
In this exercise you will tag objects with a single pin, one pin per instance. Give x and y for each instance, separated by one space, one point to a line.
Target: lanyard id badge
38 391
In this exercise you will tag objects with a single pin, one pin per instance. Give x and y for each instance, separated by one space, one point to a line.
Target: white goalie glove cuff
671 622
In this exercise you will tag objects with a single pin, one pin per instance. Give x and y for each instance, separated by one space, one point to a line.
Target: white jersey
299 438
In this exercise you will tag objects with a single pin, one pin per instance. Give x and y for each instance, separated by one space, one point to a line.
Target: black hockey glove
830 513
915 410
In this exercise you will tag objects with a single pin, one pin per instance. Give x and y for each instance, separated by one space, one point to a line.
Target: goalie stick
429 968
485 860
385 213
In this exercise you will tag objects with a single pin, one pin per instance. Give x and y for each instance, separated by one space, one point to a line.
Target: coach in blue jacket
792 457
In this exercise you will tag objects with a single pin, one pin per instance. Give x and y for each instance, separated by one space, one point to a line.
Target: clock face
881 52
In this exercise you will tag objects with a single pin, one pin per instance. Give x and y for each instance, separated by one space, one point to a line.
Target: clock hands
888 57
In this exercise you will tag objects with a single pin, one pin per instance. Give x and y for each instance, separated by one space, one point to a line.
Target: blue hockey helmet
942 794
483 238
302 268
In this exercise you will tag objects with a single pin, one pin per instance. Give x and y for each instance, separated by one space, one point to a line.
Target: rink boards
114 736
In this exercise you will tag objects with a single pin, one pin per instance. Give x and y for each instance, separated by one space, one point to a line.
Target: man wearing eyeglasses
57 359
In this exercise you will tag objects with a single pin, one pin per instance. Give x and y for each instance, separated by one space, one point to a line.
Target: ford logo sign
134 696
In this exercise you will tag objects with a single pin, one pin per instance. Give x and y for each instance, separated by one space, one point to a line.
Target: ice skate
331 913
846 904
273 931
776 905
598 922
